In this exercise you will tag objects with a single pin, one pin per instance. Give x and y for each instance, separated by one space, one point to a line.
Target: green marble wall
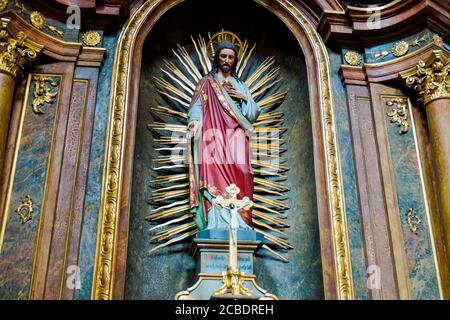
352 208
19 242
422 271
162 274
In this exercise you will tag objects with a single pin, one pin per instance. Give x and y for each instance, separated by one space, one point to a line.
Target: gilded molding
107 241
107 238
15 53
338 218
430 79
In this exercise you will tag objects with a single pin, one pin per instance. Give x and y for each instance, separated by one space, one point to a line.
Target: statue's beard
225 68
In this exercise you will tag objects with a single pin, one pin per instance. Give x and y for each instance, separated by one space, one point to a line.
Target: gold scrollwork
15 53
353 58
43 93
430 79
91 38
413 220
25 210
400 48
398 113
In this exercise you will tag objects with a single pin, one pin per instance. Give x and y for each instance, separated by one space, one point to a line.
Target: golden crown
222 36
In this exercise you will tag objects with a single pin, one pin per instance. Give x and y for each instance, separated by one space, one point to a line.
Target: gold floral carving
430 79
43 93
353 58
400 48
107 241
398 113
91 38
3 5
37 19
15 53
25 210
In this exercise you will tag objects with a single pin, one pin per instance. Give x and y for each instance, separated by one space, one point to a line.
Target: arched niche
117 195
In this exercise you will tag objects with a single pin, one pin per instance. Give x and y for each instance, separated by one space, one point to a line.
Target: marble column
15 52
432 82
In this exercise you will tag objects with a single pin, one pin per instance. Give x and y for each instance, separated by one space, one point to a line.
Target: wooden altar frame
111 253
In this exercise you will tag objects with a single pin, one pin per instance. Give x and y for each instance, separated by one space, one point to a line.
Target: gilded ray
177 72
169 112
259 71
164 84
175 240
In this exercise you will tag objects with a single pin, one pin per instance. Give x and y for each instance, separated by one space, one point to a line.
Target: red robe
223 152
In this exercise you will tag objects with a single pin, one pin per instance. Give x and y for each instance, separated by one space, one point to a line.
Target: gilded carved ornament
15 52
25 210
43 93
91 38
37 19
353 58
3 5
413 220
400 48
430 79
398 113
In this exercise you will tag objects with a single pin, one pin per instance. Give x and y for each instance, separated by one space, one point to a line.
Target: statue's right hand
192 130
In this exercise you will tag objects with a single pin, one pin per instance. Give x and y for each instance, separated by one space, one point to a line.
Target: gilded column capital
430 79
15 51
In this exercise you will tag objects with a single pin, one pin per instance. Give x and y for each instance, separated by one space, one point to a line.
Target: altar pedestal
210 251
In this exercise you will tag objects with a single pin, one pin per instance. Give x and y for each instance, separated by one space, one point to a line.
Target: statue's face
227 59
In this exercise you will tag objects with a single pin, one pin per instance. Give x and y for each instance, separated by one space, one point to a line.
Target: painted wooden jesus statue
220 117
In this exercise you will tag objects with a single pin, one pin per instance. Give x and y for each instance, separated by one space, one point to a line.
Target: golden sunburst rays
170 193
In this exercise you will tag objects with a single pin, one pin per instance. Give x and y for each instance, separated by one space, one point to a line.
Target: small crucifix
233 280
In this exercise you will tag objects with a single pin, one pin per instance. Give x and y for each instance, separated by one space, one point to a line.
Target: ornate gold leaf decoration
398 113
43 93
353 58
37 19
431 79
91 38
15 53
413 220
3 5
437 40
400 48
107 242
25 210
